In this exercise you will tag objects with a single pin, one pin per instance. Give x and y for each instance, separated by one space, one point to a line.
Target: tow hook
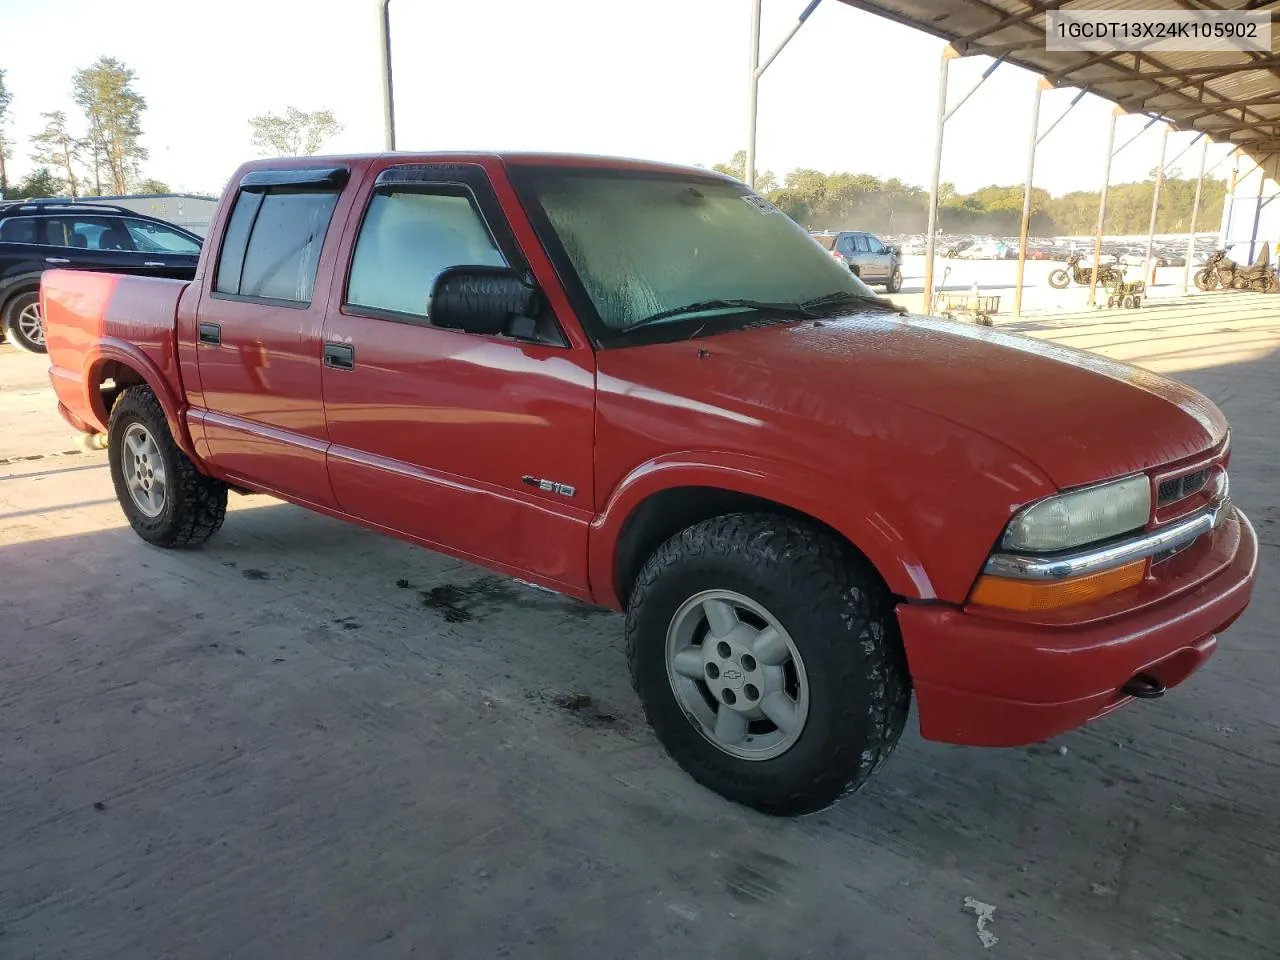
1144 687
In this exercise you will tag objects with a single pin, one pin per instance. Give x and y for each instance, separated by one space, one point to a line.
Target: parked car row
39 235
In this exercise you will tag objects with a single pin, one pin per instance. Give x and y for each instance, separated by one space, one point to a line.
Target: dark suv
38 235
865 255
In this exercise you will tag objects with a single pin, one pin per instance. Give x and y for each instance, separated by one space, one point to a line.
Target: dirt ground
309 741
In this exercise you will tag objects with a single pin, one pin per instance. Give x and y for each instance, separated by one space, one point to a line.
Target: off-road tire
839 615
1059 279
12 328
195 505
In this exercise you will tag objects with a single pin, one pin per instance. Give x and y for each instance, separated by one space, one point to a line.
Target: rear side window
408 237
860 243
272 244
18 230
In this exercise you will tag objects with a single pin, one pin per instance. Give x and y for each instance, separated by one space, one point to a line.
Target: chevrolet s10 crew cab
645 387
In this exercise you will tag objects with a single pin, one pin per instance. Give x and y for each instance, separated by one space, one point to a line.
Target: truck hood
1079 417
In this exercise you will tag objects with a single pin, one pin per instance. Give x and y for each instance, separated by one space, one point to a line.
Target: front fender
803 489
110 349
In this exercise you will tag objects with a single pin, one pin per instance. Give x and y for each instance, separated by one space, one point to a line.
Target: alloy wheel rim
143 468
30 324
737 675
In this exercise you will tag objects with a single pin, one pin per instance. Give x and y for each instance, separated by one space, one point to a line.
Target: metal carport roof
1232 96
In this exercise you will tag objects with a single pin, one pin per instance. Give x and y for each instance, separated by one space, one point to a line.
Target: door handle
210 333
340 356
56 260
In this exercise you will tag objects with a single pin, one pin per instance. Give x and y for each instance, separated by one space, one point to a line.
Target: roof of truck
512 157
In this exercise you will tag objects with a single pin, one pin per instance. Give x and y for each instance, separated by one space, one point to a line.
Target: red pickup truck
645 387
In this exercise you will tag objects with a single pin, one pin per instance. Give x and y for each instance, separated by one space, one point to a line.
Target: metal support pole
1195 213
388 100
1257 210
757 71
949 53
1229 201
1102 206
931 243
1041 86
795 28
753 93
1155 206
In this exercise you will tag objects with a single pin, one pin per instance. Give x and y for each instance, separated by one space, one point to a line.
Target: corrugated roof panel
1233 96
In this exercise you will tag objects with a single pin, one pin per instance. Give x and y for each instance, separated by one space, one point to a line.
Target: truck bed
93 319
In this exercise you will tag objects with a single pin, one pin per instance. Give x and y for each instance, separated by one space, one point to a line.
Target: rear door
259 324
479 445
862 256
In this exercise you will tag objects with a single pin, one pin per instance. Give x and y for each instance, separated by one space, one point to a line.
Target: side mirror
483 300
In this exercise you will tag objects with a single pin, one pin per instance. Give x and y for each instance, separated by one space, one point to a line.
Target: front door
481 446
259 345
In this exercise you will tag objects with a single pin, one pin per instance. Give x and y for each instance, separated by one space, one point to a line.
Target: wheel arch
658 500
125 365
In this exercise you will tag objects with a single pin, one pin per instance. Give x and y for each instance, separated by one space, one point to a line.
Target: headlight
1082 516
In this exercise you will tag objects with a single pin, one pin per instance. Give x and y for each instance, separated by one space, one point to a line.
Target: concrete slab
306 740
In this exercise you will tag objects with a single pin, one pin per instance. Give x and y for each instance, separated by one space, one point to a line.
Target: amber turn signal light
1029 595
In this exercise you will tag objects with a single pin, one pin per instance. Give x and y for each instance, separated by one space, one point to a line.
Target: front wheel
1059 279
165 499
23 323
895 281
1204 280
768 661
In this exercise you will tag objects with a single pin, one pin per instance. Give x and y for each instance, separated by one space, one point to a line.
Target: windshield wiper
789 309
848 296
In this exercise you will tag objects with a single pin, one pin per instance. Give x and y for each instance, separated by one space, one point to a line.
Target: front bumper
987 679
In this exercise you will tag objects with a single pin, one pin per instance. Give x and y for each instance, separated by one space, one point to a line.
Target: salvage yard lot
306 740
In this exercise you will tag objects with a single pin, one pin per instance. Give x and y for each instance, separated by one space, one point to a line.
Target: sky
657 79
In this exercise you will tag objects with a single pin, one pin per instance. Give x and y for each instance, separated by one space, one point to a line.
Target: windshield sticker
761 204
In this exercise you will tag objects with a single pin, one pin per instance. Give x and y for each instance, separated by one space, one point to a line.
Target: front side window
408 237
156 238
271 246
874 245
646 244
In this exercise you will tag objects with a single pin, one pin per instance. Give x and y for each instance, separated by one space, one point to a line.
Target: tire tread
818 568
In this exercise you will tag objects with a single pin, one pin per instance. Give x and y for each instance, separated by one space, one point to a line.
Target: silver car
873 261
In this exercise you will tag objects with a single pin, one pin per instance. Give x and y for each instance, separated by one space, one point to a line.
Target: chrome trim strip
1140 547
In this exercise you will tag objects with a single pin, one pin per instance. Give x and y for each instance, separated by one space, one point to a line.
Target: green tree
296 134
56 147
41 182
6 98
736 167
113 109
150 185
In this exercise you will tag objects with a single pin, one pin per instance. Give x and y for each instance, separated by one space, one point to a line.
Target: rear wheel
768 661
1059 279
23 323
167 501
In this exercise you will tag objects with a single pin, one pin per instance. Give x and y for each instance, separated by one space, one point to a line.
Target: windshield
644 245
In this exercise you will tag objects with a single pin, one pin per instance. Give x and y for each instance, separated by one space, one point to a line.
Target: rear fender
110 349
809 492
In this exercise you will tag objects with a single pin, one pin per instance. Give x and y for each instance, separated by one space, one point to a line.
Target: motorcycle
1221 271
1108 275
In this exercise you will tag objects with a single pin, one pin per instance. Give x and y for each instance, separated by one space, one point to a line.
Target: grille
1179 488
